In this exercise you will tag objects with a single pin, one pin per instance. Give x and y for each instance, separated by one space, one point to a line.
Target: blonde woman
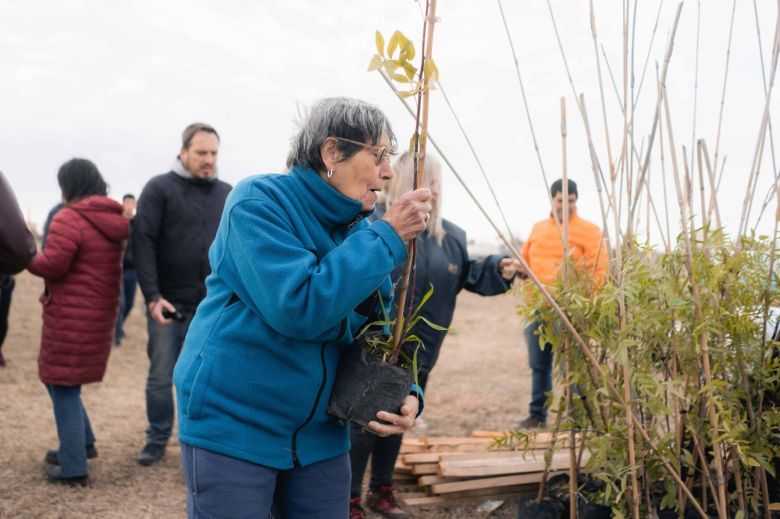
442 261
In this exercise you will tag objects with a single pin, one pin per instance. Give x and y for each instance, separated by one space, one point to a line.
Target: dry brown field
480 382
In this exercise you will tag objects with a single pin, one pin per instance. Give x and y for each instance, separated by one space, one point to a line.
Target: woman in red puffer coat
81 264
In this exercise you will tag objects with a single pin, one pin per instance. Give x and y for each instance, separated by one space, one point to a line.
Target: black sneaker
54 475
530 423
53 458
151 454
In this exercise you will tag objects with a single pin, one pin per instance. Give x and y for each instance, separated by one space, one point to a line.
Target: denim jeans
221 486
541 363
126 299
165 342
73 429
6 289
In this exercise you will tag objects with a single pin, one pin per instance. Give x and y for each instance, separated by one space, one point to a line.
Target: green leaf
433 325
740 515
380 44
376 63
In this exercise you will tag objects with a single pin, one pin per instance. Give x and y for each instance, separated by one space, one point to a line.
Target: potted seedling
377 372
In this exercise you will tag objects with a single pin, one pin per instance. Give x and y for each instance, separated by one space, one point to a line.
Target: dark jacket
17 245
448 268
176 221
82 269
127 259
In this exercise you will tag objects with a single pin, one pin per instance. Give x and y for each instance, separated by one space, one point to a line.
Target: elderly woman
442 261
81 264
292 261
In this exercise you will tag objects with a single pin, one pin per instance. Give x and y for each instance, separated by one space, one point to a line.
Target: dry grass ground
480 382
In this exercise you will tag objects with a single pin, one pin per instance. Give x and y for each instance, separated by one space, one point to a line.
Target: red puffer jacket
82 265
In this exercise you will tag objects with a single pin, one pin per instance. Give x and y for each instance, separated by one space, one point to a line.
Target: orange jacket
543 250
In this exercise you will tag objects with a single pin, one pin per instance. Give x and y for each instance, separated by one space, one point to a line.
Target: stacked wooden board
456 469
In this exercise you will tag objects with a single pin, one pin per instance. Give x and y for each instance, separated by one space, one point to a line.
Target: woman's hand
410 213
397 423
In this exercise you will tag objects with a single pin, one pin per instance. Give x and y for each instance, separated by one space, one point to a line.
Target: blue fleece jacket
291 261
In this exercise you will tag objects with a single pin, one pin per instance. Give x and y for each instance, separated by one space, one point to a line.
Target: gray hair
337 117
402 182
190 131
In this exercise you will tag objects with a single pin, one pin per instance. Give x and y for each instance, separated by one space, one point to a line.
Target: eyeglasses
383 152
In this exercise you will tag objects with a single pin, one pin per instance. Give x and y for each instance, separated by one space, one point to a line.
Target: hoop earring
330 173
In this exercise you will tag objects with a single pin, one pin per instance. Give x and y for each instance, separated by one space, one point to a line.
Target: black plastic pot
529 508
365 385
558 488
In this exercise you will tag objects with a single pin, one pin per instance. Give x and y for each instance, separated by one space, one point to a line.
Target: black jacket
176 221
17 245
449 269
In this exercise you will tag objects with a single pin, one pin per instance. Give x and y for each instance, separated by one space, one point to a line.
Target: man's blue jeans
73 429
126 299
165 342
541 363
221 486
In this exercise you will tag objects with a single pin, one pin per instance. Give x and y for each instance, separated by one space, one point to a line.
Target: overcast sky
116 82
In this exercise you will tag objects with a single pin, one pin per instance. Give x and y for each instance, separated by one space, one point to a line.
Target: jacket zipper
296 461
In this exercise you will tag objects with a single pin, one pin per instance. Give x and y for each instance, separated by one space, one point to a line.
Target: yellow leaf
430 70
376 63
400 78
410 70
405 94
412 143
380 44
392 45
390 67
408 49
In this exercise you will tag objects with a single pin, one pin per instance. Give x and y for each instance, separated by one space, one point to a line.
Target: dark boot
151 454
54 475
53 457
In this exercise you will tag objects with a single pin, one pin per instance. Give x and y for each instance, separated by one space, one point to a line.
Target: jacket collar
327 205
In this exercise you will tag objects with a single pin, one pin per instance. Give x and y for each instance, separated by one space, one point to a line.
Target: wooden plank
774 507
503 466
425 468
430 479
438 500
488 434
454 440
481 492
435 457
410 495
482 483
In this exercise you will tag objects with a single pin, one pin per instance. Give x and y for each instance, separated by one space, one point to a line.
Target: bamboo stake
587 352
663 182
421 130
696 85
704 221
763 82
528 117
568 389
723 93
476 157
713 205
667 59
705 357
597 179
762 132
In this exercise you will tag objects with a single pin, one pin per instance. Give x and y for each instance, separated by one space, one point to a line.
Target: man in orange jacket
543 251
